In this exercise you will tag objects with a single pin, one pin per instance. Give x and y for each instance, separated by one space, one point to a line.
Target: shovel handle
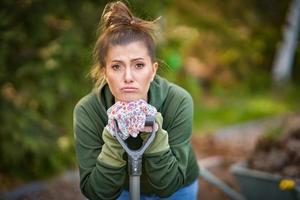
135 156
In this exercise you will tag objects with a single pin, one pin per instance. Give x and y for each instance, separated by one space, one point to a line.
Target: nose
128 75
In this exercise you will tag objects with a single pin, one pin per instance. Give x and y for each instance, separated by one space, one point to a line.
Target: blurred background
222 52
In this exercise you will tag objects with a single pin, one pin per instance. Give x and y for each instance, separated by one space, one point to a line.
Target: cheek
112 83
151 76
147 79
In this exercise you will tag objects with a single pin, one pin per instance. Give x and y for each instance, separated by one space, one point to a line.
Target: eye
140 65
116 67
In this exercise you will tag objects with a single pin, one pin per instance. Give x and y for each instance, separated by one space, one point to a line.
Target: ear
154 69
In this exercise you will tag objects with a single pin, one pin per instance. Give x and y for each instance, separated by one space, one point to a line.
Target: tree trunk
282 67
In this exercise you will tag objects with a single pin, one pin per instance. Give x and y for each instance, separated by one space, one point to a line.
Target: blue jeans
188 192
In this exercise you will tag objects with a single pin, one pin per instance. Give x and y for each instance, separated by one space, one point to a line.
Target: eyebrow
135 59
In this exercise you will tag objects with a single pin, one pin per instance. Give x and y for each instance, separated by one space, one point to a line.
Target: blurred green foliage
227 50
46 54
225 108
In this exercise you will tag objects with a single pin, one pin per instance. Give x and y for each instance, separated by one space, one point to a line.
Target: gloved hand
112 151
161 140
130 116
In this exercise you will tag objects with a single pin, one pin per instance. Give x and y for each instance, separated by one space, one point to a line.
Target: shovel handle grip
135 156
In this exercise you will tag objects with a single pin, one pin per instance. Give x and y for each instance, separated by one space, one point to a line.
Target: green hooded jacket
163 173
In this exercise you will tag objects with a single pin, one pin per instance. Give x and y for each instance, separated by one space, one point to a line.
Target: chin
130 98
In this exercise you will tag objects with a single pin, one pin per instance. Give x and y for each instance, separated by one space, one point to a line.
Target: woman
125 76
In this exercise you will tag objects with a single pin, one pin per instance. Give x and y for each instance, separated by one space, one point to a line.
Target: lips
129 89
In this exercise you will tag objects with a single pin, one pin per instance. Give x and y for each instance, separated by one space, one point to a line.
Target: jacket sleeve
98 180
166 170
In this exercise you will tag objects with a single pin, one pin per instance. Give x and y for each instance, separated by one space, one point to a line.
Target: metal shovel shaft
134 187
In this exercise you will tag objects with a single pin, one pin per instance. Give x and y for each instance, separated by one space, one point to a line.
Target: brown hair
119 27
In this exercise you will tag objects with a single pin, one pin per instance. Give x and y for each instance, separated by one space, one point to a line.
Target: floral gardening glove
161 140
131 117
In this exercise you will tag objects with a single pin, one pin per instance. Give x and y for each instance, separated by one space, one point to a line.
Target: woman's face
129 71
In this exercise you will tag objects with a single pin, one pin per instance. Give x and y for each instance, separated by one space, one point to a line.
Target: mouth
129 89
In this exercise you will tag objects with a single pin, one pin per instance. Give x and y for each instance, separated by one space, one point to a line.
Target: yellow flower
287 184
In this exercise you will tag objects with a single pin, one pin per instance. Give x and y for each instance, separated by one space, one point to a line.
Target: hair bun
116 13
